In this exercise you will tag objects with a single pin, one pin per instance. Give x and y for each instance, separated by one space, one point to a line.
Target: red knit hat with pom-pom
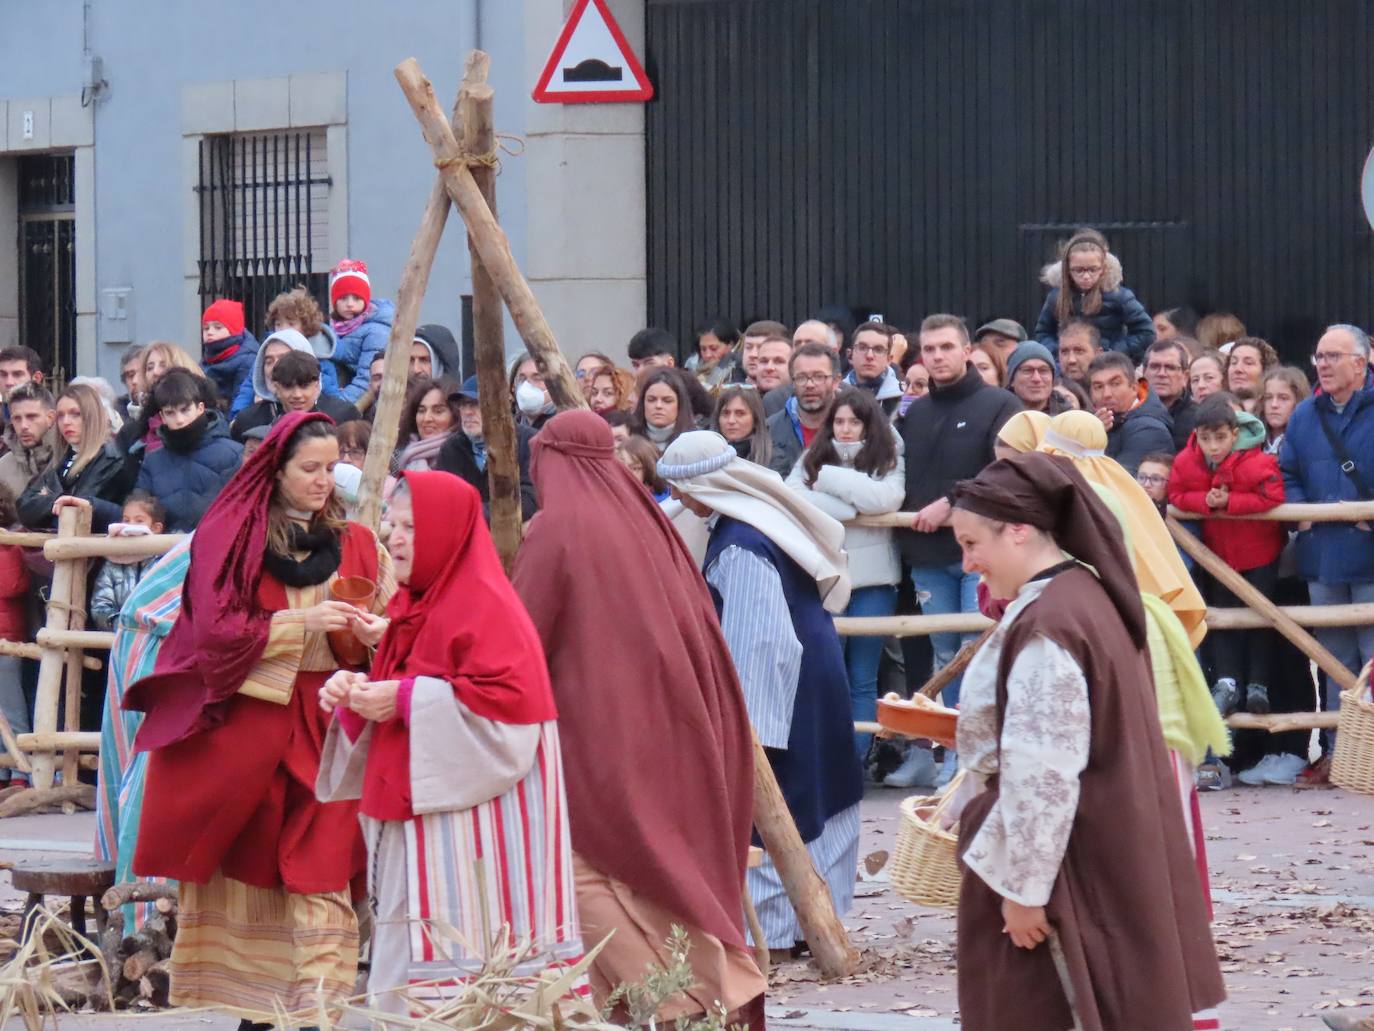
349 277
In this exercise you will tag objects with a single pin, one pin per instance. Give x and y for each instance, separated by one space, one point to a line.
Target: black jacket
1184 414
949 435
265 413
1142 431
456 457
105 482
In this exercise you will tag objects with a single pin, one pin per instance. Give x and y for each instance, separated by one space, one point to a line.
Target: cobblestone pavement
1292 876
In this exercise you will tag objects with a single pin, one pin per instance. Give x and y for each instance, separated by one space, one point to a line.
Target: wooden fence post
54 660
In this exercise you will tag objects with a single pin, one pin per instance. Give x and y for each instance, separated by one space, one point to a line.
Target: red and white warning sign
592 63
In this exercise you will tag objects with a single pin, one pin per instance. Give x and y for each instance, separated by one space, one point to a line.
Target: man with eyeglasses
1166 370
1328 455
870 365
1030 376
815 370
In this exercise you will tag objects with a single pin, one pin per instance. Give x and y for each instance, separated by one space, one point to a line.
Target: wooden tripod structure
464 154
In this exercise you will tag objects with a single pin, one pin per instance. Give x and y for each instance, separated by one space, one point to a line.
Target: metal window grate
264 227
47 260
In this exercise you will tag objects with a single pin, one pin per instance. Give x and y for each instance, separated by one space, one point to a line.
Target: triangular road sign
592 63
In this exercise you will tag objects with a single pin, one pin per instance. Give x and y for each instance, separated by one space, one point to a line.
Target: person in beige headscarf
1024 431
1159 569
776 568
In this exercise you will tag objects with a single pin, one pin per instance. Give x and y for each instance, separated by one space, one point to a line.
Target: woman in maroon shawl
235 732
638 662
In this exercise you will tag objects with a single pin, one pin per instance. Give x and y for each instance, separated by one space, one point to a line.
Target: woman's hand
1027 925
375 700
328 615
69 501
368 628
336 690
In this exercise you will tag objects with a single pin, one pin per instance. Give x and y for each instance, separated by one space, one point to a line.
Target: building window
47 259
264 218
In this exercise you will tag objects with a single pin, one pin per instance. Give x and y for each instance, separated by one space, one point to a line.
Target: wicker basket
924 869
1352 760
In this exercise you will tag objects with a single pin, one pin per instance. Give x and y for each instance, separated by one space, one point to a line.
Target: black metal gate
47 260
262 217
912 156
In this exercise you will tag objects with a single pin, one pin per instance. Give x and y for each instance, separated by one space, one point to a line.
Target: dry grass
38 983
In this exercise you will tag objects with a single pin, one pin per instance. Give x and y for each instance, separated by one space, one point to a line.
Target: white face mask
529 398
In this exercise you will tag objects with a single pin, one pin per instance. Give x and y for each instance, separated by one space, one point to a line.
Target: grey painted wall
151 48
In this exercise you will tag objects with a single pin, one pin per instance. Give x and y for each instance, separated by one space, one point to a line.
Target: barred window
264 218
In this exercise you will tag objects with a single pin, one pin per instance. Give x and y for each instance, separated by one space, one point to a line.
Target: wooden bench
78 879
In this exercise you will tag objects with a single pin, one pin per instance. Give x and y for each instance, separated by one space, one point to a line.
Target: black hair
27 355
1183 319
650 343
722 329
1083 326
446 387
176 388
1108 360
675 380
157 511
32 391
296 369
877 457
1216 412
616 417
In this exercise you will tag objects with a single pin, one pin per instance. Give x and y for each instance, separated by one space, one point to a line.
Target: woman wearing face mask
739 419
88 471
663 410
854 467
533 405
916 385
429 419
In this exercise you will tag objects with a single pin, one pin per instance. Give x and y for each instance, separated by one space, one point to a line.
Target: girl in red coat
1224 471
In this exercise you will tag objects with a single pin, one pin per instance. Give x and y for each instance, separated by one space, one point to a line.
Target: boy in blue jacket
361 326
227 348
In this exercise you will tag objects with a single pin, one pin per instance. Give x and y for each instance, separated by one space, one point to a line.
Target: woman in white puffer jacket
854 467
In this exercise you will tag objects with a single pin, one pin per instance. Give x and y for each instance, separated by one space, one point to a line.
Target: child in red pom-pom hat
227 348
361 325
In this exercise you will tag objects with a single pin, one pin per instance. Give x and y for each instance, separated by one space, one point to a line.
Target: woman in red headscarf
452 746
655 733
235 730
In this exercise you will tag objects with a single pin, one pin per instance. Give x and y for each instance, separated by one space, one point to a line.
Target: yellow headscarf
1081 437
1024 431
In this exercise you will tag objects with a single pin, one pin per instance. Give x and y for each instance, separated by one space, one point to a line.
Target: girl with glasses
1086 282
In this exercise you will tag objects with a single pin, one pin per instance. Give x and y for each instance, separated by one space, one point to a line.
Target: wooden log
1279 722
487 237
139 964
945 675
74 638
1327 512
386 422
25 650
912 626
155 984
140 891
21 761
82 795
101 546
1241 588
488 325
52 663
56 740
25 538
72 678
806 889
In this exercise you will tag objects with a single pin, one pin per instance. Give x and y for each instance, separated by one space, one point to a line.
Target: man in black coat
1166 370
464 454
1137 423
949 436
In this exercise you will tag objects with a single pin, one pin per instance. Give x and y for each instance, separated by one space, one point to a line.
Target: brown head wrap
1047 492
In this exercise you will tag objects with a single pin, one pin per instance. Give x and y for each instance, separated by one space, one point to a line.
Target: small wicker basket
1352 760
924 867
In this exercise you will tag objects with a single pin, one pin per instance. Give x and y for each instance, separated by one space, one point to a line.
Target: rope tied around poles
511 144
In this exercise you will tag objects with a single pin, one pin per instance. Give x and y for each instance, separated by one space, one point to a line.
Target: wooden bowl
902 717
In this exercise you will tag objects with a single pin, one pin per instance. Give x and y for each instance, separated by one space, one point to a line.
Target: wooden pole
51 665
1237 585
945 675
488 325
12 746
56 740
24 650
1316 512
76 620
101 546
487 237
1279 722
806 889
75 638
386 422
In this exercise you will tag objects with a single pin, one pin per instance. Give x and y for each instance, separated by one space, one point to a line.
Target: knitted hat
227 313
349 277
1029 350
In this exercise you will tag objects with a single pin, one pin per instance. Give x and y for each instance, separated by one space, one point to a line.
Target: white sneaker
918 768
1255 775
1285 769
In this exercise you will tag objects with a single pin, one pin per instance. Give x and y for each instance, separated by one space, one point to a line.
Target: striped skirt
455 891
